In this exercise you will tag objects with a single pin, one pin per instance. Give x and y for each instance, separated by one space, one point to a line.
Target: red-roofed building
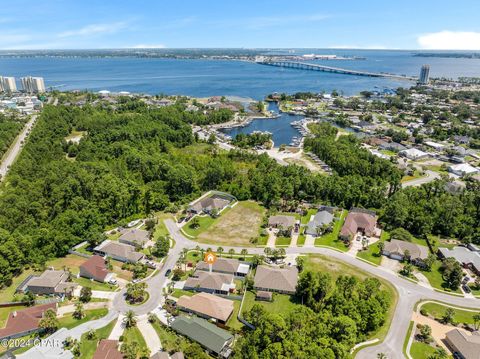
107 349
24 322
359 221
95 268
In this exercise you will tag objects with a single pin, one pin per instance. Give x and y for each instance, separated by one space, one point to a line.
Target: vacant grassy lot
235 227
160 228
71 262
331 239
435 278
88 347
437 310
282 303
204 223
7 293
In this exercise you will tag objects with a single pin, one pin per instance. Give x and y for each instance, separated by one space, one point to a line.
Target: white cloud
450 40
95 29
147 46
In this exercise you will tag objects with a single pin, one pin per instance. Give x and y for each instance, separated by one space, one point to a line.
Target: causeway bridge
337 70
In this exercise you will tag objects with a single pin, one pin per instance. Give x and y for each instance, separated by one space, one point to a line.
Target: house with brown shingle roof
396 249
359 221
96 268
465 345
107 349
210 203
135 237
271 279
24 322
50 282
215 283
226 265
119 251
207 306
281 221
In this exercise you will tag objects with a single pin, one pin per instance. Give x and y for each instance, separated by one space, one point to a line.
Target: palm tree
220 251
267 251
79 312
282 252
243 252
382 356
130 319
231 251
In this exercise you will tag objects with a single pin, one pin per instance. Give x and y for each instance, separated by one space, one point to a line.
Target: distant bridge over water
337 70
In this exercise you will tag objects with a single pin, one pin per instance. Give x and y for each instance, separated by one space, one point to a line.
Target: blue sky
81 24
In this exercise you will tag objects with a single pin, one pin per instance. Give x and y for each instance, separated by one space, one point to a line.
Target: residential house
226 265
281 280
118 251
320 219
462 169
135 237
50 282
215 340
392 146
215 283
413 154
107 349
208 204
463 345
23 322
207 306
396 249
359 221
281 221
466 257
96 268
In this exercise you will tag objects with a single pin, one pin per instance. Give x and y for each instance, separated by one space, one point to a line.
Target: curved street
409 293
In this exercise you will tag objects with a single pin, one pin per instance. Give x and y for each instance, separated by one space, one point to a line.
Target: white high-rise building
424 74
9 84
33 84
1 84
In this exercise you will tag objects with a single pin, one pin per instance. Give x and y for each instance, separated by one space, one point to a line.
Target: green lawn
434 276
160 228
177 293
305 219
438 310
372 253
283 241
88 347
7 293
67 321
282 303
204 222
301 240
84 249
420 350
134 335
331 239
171 341
233 322
84 282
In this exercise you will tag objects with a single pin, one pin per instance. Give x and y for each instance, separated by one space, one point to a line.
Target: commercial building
8 84
424 75
280 280
33 84
209 336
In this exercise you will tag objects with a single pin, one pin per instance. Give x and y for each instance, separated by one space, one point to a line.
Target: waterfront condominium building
8 84
424 74
33 84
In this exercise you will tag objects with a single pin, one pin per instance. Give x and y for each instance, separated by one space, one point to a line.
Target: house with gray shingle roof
320 219
135 237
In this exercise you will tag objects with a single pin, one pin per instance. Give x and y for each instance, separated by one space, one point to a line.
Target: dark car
466 288
167 273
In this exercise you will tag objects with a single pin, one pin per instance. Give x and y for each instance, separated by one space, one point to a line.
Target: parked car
112 281
466 288
167 273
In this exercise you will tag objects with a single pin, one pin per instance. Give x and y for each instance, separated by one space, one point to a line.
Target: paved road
16 147
409 292
429 177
